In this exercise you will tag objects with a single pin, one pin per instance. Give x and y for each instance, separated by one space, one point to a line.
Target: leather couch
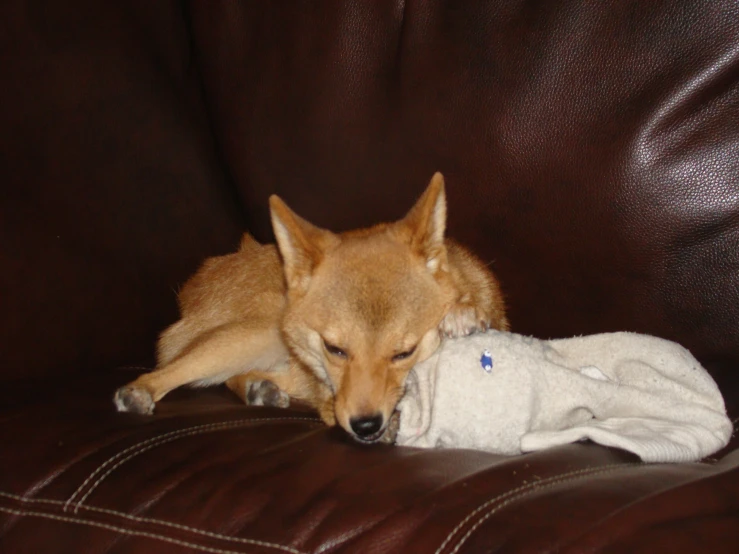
591 151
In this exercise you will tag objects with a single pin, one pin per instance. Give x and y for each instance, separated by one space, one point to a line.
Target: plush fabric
507 393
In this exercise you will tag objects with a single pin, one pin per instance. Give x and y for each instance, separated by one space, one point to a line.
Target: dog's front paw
133 399
391 432
462 321
266 393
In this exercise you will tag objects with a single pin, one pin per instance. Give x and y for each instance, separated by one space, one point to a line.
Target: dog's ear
301 244
426 222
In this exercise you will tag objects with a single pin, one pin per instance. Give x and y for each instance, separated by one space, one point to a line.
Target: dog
334 320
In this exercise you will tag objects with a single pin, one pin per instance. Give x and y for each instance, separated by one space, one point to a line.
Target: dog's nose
366 426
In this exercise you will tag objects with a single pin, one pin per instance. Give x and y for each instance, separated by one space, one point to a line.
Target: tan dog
338 322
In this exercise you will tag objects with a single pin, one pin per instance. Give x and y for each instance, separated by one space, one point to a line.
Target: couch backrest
591 151
591 148
111 186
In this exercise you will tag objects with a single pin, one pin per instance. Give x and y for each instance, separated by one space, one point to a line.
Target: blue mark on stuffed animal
486 361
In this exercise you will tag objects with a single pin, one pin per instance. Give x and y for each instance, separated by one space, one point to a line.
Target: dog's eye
404 355
334 350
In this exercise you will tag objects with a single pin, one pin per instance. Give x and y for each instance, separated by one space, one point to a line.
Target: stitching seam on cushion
135 533
153 442
139 519
517 493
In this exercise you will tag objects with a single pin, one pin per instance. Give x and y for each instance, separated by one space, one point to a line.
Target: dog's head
364 306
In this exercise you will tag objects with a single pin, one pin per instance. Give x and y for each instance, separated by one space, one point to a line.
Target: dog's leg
261 388
465 319
271 388
213 358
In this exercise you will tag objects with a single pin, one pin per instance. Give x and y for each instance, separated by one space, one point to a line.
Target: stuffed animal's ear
426 222
301 244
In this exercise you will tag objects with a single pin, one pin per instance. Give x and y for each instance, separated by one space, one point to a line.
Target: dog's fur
336 320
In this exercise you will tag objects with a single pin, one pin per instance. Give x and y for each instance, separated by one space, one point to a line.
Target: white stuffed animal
508 394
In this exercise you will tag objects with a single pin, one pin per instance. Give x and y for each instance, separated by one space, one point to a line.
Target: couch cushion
211 475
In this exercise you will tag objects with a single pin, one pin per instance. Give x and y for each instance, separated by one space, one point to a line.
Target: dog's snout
366 426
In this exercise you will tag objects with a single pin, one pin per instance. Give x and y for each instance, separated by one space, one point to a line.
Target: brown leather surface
208 473
111 190
590 150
